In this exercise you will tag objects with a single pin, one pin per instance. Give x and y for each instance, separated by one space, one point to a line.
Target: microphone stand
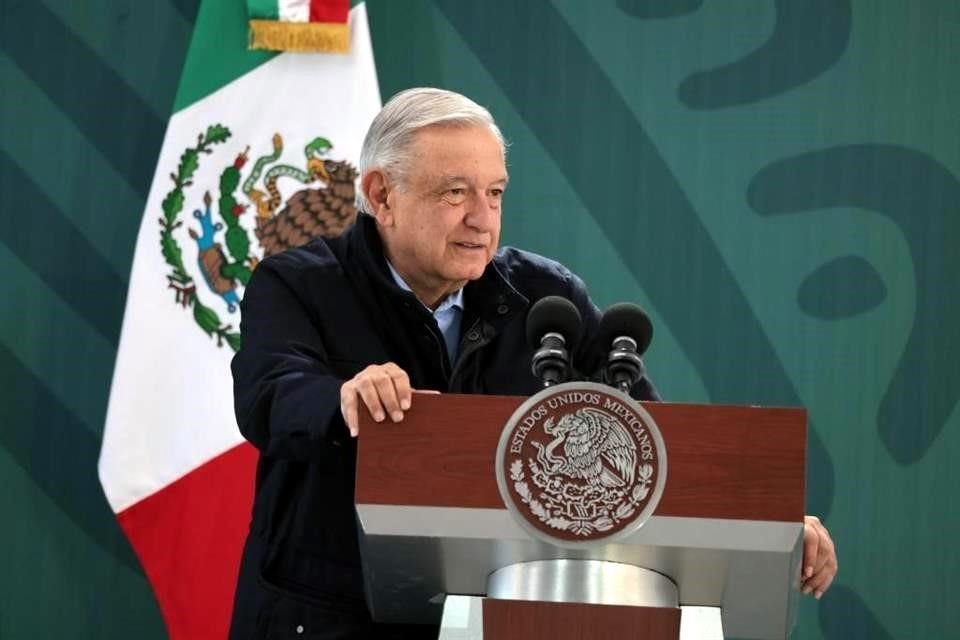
551 362
624 366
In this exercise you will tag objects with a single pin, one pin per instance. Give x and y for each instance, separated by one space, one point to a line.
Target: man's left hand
819 558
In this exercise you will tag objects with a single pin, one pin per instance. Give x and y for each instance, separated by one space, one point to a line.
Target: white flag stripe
170 405
294 10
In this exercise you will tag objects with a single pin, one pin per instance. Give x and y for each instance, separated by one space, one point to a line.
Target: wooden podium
728 531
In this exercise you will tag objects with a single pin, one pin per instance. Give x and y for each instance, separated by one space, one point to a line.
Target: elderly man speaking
417 295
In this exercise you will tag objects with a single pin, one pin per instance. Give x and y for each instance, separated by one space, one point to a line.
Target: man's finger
819 591
821 580
385 385
368 393
811 546
826 567
401 383
820 558
348 408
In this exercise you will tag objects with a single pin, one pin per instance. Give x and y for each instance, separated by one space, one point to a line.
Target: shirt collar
454 300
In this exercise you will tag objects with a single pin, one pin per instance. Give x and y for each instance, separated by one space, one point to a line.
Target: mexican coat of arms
244 217
581 462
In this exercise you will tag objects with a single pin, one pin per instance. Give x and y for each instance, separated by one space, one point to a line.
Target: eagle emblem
580 462
243 216
596 448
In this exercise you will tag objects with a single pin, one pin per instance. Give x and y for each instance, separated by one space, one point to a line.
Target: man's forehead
440 136
445 154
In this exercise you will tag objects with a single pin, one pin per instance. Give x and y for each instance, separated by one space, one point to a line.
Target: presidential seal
580 463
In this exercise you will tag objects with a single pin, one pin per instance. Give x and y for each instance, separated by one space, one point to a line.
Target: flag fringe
331 37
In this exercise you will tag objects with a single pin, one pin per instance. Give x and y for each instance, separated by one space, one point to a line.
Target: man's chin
465 270
464 276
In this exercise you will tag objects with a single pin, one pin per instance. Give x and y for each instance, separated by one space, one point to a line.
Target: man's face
441 226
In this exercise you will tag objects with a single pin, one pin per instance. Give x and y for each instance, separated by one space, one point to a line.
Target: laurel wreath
178 279
580 527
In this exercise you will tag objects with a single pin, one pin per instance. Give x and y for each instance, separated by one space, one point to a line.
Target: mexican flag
260 155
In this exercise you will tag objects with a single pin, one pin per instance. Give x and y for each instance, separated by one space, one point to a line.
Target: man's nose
482 210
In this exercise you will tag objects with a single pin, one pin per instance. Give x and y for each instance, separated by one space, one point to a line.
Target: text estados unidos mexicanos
539 412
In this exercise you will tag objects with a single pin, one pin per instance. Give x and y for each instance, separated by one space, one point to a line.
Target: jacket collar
366 251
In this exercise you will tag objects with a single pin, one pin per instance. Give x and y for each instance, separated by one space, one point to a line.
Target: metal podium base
586 581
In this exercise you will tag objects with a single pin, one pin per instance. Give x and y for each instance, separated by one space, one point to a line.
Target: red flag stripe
329 10
189 537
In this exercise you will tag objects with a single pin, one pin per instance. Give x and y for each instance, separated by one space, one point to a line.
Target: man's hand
383 388
819 558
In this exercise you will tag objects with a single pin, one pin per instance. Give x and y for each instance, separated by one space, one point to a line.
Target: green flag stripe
214 62
263 9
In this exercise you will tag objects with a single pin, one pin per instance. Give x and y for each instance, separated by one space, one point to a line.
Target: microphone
553 327
628 331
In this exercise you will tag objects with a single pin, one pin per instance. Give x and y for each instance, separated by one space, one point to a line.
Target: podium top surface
726 462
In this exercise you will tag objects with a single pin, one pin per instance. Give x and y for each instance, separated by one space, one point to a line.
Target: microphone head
553 314
625 319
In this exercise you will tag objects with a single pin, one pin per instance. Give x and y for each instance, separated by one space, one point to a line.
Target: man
416 296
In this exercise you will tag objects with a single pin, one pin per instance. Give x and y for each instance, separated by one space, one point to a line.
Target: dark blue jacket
312 318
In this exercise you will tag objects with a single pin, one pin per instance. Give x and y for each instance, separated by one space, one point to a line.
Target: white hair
387 145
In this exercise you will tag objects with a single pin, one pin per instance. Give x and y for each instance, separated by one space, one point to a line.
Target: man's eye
455 195
497 193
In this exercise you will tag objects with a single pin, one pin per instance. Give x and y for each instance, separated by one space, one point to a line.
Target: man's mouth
470 245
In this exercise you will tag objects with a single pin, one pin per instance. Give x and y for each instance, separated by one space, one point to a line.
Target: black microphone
553 328
628 331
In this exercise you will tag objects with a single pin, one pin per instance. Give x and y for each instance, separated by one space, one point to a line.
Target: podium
727 533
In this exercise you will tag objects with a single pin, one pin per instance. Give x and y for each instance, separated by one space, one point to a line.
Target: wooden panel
506 619
722 461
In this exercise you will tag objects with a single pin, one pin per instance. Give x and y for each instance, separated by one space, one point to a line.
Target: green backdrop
776 181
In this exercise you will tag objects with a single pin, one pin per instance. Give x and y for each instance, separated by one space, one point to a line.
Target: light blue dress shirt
448 315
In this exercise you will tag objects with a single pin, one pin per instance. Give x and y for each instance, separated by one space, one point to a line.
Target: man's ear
376 190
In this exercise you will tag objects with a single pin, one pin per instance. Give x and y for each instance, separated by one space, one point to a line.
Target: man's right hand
383 388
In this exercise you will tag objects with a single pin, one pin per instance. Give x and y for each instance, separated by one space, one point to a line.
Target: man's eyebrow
448 179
